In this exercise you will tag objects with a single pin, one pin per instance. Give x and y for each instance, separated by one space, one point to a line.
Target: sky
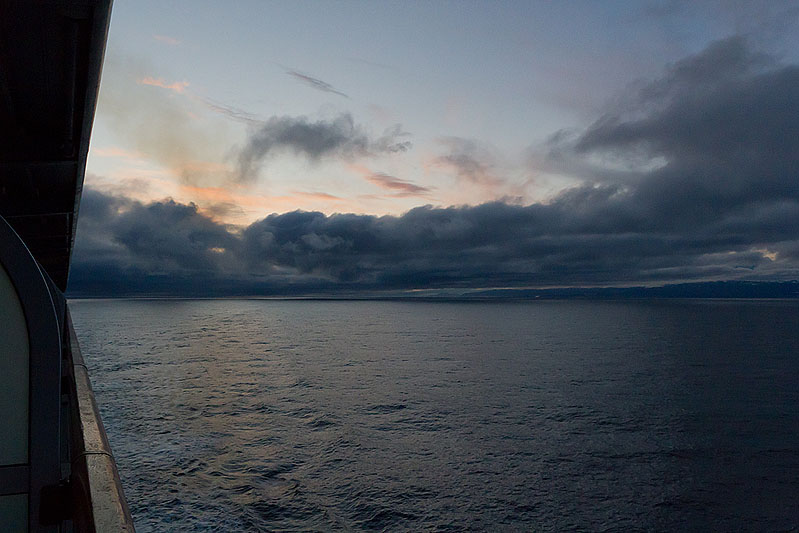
335 147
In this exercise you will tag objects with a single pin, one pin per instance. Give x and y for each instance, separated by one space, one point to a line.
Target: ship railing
98 499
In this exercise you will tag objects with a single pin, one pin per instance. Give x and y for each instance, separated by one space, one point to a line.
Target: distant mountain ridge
172 288
711 289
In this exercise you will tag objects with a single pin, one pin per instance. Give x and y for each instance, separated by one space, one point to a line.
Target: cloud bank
711 191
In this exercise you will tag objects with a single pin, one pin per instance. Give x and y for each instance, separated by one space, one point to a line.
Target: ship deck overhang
51 56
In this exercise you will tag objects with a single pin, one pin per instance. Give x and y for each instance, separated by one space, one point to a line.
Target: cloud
317 195
176 86
315 83
231 112
141 231
588 236
477 169
402 187
721 130
714 194
181 87
115 151
339 137
767 21
167 40
223 210
468 160
161 125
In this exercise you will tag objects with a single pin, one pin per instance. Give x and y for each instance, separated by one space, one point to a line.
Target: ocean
293 415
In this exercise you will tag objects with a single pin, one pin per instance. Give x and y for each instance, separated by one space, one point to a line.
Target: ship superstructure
57 472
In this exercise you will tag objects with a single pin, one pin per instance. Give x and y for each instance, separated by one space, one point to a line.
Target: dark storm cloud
590 235
724 127
763 20
159 237
714 195
339 137
315 83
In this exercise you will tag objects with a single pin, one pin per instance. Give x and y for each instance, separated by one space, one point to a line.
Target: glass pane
13 375
14 513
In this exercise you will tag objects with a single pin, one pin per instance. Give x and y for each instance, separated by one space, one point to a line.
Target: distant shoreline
717 290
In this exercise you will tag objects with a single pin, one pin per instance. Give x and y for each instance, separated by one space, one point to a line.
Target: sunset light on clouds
593 117
177 86
399 265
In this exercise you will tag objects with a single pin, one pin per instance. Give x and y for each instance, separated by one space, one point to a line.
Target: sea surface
266 415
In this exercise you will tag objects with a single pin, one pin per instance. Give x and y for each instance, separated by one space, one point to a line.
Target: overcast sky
294 147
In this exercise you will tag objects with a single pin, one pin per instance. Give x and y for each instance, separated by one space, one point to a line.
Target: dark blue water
299 415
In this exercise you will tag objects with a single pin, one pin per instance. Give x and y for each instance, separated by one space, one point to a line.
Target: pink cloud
115 151
178 86
403 188
316 195
385 181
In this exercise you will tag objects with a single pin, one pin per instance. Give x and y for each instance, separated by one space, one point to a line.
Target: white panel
14 384
14 513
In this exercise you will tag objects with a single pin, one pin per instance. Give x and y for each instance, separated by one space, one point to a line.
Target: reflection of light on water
304 415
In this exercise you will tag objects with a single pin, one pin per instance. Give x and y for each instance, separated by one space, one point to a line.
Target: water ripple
379 416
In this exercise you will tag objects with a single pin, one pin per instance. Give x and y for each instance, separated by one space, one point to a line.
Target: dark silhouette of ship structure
57 472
